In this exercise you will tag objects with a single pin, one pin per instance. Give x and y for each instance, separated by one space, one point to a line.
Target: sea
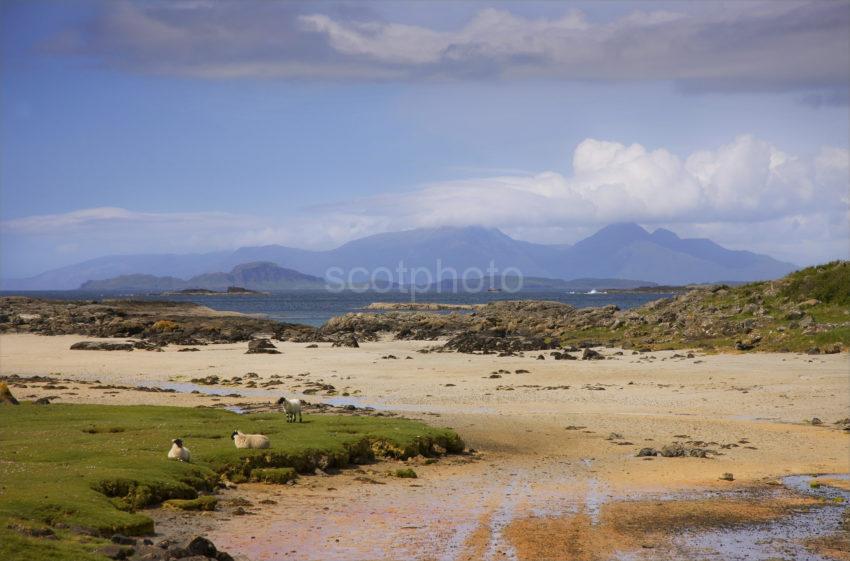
316 307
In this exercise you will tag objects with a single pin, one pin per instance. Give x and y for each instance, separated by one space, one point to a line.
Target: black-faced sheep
249 440
292 408
179 452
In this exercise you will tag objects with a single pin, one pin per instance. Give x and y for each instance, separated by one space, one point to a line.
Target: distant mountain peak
662 234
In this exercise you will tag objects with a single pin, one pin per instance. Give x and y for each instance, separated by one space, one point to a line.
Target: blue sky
312 124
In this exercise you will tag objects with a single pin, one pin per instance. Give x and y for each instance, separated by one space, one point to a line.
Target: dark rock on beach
347 340
261 346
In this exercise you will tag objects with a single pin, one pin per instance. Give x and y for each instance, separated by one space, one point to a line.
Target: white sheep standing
292 408
249 440
179 452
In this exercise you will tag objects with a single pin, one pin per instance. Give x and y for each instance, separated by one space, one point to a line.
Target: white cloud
747 194
744 181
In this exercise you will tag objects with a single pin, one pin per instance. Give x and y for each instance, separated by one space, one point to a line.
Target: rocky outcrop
198 548
101 346
155 323
261 346
346 340
783 315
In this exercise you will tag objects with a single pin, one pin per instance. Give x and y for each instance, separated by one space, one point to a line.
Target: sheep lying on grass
179 452
292 408
249 440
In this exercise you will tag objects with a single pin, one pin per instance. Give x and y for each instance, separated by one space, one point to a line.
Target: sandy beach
551 437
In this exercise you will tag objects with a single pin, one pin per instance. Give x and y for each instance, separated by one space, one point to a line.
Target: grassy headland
73 474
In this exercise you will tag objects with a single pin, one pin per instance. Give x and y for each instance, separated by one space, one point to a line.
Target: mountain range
618 251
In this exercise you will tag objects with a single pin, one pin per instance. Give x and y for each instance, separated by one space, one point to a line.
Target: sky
190 126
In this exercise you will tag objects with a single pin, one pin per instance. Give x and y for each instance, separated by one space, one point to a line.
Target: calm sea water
316 307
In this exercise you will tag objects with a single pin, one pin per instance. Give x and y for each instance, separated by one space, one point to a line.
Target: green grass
85 470
829 283
273 475
205 502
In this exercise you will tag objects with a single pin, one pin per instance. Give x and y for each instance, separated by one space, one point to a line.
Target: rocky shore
156 323
806 311
774 316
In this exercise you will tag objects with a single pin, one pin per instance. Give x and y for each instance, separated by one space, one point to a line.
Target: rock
644 452
200 546
562 356
727 477
672 451
348 340
6 397
590 354
312 346
101 346
832 350
261 346
744 346
815 421
813 351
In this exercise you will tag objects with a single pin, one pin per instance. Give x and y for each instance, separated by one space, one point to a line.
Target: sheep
249 440
292 408
179 452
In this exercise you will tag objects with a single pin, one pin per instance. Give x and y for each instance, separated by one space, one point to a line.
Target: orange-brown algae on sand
629 525
834 546
843 484
476 544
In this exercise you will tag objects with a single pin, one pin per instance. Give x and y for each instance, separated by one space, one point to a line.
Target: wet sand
553 460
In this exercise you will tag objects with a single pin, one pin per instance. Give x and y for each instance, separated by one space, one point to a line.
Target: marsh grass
56 472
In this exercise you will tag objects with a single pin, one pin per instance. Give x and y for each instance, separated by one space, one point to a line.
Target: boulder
645 452
261 346
672 451
347 340
590 354
200 545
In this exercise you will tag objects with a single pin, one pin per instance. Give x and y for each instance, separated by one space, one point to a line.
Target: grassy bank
71 474
809 309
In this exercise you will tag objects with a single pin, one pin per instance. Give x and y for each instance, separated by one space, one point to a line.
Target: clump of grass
405 473
205 502
55 473
827 283
273 475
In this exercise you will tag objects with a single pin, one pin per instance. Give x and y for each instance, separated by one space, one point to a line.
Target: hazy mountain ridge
618 251
254 276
